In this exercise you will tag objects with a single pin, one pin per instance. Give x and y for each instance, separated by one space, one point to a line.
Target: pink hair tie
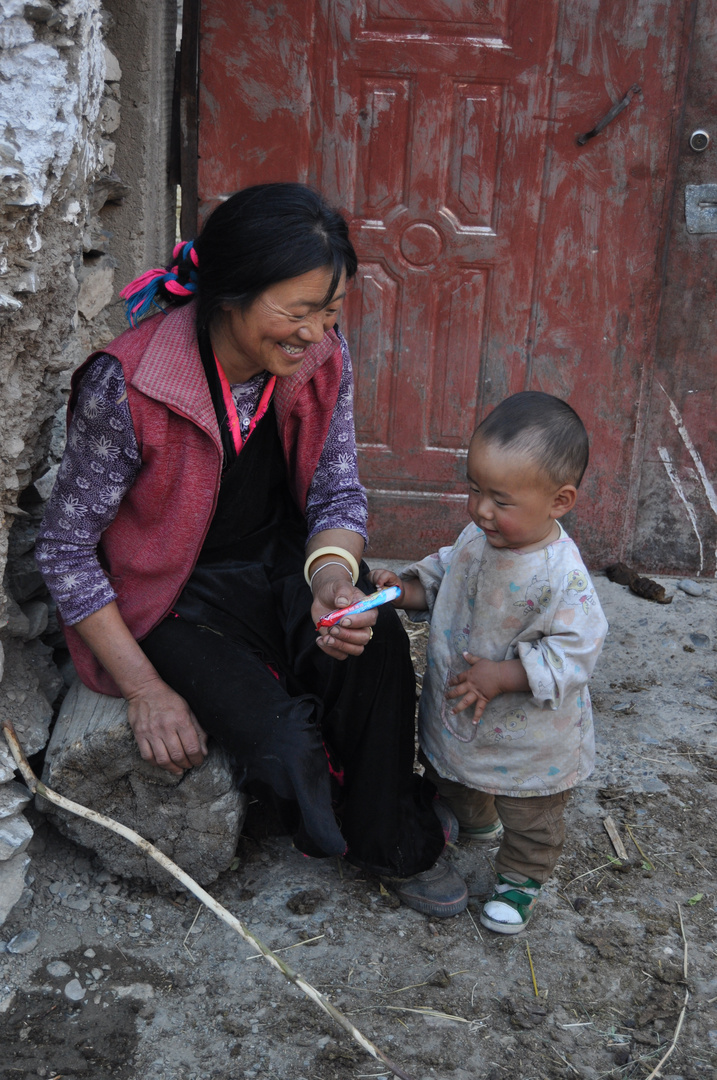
140 283
186 250
177 289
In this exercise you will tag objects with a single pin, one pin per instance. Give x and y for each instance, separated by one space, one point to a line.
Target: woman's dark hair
543 427
260 236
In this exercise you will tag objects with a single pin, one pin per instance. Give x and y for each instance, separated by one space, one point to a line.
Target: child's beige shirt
539 607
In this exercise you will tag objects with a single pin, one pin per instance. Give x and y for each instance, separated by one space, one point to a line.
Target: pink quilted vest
151 548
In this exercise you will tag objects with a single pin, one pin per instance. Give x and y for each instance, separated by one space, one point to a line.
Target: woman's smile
274 332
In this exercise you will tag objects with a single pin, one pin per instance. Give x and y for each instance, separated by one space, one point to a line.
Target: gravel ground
100 978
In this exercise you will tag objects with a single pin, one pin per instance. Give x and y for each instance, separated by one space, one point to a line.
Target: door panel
432 144
495 253
601 250
676 512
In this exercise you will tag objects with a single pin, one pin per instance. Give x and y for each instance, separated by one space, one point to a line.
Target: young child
505 721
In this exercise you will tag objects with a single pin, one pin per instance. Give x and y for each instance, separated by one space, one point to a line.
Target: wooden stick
36 786
642 853
611 830
532 970
663 1059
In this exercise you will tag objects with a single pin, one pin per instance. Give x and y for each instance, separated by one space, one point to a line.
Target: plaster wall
85 205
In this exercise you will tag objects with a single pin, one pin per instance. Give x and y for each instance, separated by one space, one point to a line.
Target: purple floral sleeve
336 499
101 462
99 466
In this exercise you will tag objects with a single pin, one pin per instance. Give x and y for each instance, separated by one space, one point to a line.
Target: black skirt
333 740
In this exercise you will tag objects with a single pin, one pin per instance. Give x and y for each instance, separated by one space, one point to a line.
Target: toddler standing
505 722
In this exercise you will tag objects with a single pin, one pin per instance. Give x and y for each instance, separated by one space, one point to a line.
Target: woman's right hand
168 733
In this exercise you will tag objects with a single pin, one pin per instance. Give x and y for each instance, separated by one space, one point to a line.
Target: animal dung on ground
642 586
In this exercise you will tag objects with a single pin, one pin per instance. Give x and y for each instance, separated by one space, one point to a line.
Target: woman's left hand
333 589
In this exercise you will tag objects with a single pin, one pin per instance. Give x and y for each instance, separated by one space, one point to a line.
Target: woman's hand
332 589
168 733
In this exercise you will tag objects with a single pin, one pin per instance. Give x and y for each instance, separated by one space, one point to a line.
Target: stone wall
85 204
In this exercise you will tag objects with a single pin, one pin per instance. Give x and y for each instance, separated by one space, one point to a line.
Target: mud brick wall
85 205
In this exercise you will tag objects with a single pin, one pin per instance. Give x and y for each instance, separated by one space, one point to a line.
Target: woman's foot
439 892
509 909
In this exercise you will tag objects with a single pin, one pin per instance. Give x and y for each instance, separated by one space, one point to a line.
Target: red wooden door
431 138
676 503
428 129
496 254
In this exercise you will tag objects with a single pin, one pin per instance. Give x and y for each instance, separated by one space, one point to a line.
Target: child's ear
563 500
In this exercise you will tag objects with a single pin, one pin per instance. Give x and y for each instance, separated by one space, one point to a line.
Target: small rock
305 902
58 969
90 954
24 942
439 978
13 798
700 640
690 587
15 835
7 999
12 883
624 707
77 903
74 991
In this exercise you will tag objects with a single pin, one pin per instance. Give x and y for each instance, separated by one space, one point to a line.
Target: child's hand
484 680
413 595
383 578
476 686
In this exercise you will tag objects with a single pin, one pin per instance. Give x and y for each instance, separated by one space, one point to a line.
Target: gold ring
370 633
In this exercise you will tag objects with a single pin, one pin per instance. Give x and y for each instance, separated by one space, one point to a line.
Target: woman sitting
208 513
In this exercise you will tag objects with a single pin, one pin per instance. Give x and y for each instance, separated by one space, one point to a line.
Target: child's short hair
543 427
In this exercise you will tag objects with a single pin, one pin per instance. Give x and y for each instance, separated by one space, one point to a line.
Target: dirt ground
126 983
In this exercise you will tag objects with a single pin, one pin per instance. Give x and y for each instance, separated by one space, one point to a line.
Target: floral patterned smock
537 606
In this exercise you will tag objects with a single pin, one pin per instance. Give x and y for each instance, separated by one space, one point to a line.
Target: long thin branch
678 1028
36 786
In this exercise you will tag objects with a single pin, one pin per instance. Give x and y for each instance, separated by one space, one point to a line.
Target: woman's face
274 332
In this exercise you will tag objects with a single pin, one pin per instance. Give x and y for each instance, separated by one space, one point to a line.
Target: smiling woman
275 332
221 517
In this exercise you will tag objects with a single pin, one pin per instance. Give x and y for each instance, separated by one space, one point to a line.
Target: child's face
511 499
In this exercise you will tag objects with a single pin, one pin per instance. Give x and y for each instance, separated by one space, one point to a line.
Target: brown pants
534 826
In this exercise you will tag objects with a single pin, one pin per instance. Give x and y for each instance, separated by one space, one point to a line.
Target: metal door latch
609 117
701 208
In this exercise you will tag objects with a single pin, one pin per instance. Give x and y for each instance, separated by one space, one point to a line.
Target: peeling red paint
496 254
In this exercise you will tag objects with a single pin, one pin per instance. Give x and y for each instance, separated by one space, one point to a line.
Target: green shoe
509 909
488 834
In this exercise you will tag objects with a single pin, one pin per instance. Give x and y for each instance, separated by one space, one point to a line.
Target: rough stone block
96 285
13 799
45 483
15 835
93 759
113 71
12 883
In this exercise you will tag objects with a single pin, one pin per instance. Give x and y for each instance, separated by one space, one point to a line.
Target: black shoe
439 892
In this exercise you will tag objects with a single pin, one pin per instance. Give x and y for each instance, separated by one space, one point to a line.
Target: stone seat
92 758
